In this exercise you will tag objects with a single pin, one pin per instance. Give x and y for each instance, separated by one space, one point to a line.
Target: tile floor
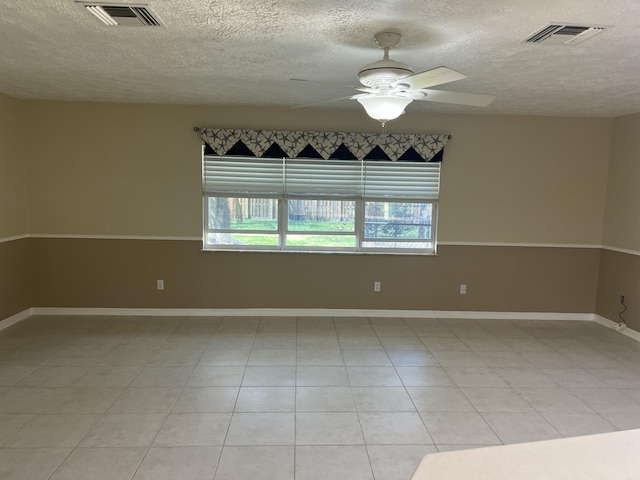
303 398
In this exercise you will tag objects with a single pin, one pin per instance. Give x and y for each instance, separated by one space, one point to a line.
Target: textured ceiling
245 52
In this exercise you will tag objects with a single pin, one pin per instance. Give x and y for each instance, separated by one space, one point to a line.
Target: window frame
283 230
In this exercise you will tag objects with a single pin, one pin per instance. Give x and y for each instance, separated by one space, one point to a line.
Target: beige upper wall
116 169
622 221
13 205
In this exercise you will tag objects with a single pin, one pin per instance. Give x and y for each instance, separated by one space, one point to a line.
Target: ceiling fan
389 86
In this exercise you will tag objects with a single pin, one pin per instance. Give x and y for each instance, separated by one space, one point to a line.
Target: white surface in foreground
594 457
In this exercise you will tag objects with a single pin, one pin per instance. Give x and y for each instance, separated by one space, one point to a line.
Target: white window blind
323 177
414 180
297 177
242 175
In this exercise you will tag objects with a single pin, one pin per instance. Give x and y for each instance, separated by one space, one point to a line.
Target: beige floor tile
224 357
177 356
206 400
445 344
623 421
145 400
277 342
184 463
452 428
490 399
320 357
525 377
193 429
30 463
314 342
10 375
266 399
607 400
424 377
412 343
412 358
382 399
334 462
574 377
396 462
520 427
12 422
324 399
272 357
53 377
440 399
100 464
549 360
359 342
55 431
366 358
552 400
393 428
26 399
124 430
458 359
321 376
105 376
328 428
258 376
373 377
162 377
229 376
261 429
86 400
504 359
575 424
253 462
475 377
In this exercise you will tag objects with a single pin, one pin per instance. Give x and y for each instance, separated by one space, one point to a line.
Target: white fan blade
430 78
323 101
457 98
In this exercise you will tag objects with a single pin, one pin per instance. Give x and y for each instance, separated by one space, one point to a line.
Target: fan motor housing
383 72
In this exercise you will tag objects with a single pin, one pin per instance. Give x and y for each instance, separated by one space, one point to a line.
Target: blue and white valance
325 145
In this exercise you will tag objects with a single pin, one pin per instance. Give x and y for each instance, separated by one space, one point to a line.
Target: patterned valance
347 146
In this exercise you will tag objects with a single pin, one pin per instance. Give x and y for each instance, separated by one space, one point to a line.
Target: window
319 205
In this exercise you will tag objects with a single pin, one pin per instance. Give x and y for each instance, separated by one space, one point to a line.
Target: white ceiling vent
564 34
125 15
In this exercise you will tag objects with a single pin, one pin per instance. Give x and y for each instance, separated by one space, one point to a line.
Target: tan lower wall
15 291
123 273
619 275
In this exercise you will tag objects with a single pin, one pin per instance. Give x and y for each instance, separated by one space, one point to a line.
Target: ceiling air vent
125 15
564 34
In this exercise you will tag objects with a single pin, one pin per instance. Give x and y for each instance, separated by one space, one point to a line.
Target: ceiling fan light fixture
384 107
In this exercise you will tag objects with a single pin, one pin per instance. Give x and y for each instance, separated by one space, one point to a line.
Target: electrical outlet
621 299
463 289
160 284
376 286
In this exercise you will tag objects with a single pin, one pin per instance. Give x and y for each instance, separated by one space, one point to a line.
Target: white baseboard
312 312
18 317
317 312
623 330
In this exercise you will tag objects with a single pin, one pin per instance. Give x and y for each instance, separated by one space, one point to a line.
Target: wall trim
112 237
317 312
440 243
622 250
507 244
312 312
18 317
15 237
623 330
